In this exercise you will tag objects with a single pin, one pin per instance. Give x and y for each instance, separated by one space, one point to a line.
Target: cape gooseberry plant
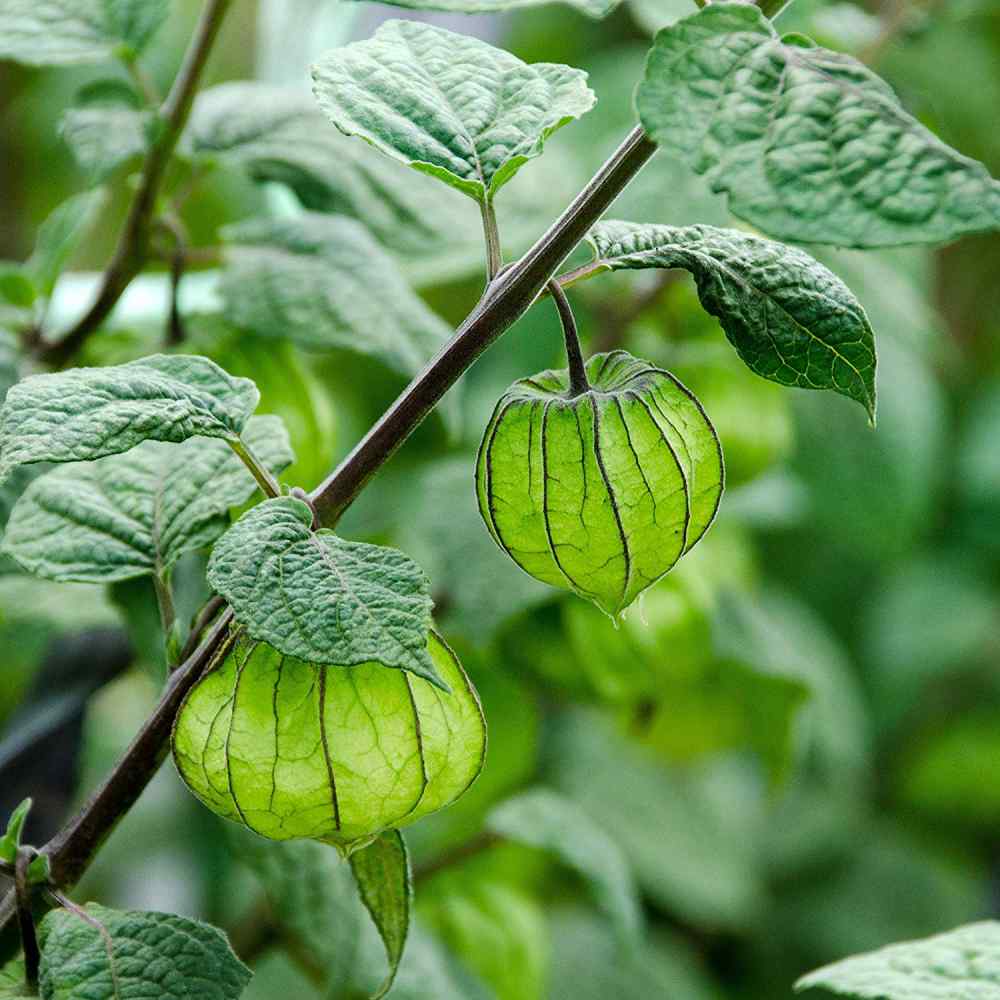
312 697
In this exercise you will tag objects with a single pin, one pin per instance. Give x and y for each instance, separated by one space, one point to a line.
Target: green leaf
319 597
323 282
86 413
592 8
134 514
810 145
382 872
59 236
493 928
790 319
547 820
295 749
312 894
11 840
16 288
62 32
448 105
123 954
12 985
106 136
964 962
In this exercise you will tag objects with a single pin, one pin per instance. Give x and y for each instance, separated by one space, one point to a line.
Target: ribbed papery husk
601 493
292 749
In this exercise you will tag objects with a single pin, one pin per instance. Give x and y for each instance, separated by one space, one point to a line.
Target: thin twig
26 922
469 849
132 251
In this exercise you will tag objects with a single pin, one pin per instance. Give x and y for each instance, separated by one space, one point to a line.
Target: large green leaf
323 282
593 8
60 32
319 597
810 145
86 413
447 104
547 820
382 872
789 318
119 955
962 963
129 515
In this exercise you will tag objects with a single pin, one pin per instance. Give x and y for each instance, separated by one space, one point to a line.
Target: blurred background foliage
792 739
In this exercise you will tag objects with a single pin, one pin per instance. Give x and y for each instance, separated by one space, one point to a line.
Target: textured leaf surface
962 963
382 872
789 318
810 145
320 597
105 137
59 32
600 494
129 515
294 749
593 8
130 955
447 104
87 413
323 282
547 820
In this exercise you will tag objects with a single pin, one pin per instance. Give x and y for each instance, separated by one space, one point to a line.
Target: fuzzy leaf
810 145
382 872
128 955
323 282
547 820
61 32
789 318
86 413
319 597
447 104
962 963
130 515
